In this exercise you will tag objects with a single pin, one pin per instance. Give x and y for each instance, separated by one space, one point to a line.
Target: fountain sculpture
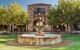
39 37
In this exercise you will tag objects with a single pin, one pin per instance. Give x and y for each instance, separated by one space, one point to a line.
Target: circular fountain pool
32 39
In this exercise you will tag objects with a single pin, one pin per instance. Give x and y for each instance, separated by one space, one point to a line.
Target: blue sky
24 3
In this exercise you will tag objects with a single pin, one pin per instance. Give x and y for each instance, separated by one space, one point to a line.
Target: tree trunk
10 27
66 27
69 28
52 28
27 28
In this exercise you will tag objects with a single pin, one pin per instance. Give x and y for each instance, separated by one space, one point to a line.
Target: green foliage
17 14
2 15
13 14
53 17
66 12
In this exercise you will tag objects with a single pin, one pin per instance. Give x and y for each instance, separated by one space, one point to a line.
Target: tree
13 14
53 17
71 12
65 13
17 15
14 11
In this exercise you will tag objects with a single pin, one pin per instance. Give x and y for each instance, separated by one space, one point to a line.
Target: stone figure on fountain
39 25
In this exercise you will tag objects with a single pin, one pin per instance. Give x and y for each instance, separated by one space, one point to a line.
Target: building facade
37 11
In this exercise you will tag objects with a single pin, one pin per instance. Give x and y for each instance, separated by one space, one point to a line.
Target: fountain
39 37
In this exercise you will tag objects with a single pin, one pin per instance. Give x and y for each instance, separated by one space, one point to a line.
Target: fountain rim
29 35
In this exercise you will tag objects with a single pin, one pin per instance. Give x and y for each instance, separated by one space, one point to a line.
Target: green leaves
54 16
13 14
65 12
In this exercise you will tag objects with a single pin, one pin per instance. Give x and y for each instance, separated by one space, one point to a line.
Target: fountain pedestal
40 33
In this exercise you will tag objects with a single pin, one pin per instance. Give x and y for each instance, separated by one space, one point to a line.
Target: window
39 10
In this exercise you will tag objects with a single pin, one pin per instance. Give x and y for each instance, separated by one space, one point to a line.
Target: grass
74 46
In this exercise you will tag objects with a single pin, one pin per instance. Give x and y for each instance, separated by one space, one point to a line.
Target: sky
24 3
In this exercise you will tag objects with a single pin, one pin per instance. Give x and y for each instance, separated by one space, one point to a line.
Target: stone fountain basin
32 39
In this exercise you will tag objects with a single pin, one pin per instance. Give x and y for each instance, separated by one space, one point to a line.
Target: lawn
73 37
